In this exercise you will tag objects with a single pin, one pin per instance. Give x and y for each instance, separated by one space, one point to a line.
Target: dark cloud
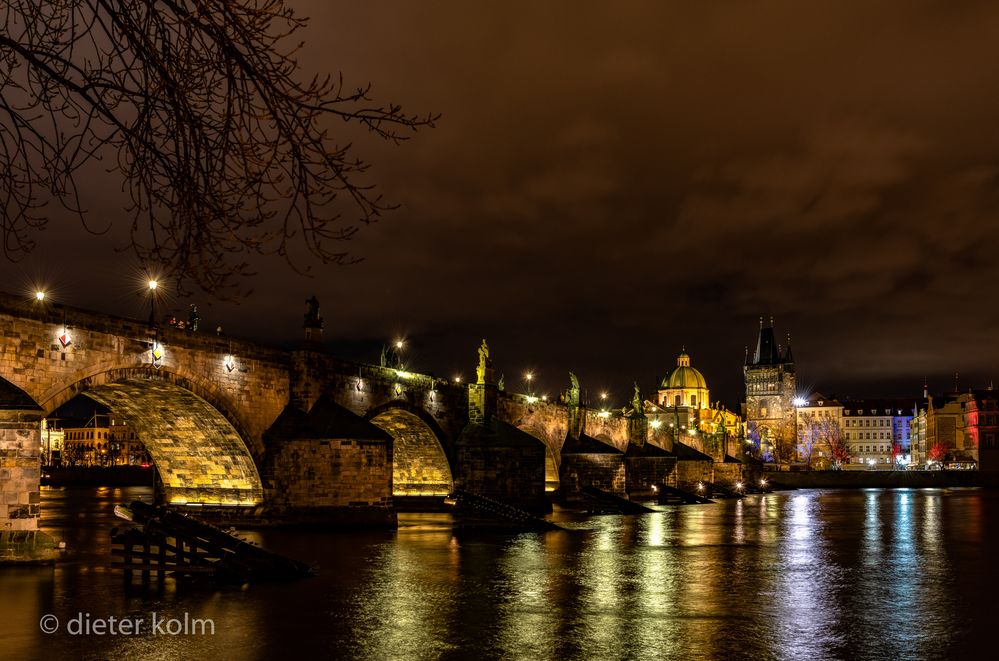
610 181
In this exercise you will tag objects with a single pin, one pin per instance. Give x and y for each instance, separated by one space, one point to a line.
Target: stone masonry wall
514 475
420 466
601 470
368 390
644 472
315 477
20 468
729 474
199 456
691 472
105 348
612 429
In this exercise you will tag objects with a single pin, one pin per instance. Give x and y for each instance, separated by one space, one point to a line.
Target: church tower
770 391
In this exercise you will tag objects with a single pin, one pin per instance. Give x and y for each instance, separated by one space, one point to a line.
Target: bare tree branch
197 105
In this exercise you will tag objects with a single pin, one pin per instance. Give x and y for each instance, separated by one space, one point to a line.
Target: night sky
612 181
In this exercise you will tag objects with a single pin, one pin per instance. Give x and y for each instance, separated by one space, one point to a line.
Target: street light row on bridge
229 362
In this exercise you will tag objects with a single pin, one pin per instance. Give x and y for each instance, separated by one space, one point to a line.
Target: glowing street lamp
153 285
397 346
39 296
529 377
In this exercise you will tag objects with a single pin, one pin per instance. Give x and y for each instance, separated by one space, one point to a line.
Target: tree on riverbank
820 441
199 107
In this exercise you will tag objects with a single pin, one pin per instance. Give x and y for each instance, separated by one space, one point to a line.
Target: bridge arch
199 455
102 374
552 458
420 464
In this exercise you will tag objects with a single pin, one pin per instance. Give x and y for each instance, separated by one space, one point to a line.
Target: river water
863 574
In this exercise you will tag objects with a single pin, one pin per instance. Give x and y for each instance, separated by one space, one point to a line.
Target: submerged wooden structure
667 495
476 510
164 541
600 502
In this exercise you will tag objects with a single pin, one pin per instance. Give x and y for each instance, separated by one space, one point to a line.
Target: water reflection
809 574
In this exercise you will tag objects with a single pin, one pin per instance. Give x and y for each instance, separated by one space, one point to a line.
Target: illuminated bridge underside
419 465
199 456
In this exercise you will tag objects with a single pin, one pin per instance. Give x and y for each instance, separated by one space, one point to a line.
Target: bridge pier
20 468
496 459
328 466
20 480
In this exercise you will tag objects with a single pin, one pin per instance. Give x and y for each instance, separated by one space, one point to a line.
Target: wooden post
146 560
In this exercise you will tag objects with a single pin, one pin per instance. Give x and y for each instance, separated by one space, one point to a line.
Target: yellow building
684 387
102 442
683 412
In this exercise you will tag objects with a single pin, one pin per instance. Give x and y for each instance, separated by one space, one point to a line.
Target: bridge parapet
55 352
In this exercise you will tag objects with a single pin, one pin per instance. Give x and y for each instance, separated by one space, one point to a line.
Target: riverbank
98 476
880 479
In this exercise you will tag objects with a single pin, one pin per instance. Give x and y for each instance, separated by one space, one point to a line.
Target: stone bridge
234 424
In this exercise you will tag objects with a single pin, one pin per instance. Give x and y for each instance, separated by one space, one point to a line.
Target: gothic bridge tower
770 391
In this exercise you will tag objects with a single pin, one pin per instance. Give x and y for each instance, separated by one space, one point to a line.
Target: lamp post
529 377
399 344
153 284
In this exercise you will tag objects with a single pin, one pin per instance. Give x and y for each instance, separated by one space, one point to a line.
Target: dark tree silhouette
197 105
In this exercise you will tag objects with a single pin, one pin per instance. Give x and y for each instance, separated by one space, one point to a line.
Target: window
678 401
693 400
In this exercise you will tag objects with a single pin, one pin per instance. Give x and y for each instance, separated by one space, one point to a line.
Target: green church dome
684 376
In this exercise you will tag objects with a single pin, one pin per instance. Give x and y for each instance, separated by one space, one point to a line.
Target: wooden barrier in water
166 542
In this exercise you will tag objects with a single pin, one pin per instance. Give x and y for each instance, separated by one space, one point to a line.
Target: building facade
102 441
819 422
879 432
983 423
955 427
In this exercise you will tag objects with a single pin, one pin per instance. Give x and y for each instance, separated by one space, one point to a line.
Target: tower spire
767 351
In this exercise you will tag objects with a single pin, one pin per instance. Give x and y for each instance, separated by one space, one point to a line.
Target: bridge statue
484 362
312 318
636 402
